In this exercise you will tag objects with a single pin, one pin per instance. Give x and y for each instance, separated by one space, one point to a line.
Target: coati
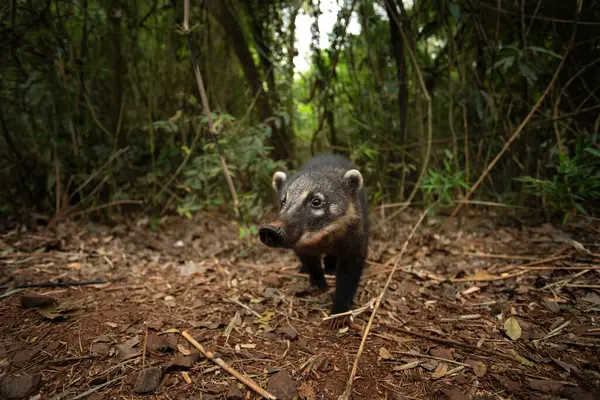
322 211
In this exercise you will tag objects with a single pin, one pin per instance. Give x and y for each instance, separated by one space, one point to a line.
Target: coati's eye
316 202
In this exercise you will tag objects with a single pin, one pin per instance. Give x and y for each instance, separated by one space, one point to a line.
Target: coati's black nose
271 235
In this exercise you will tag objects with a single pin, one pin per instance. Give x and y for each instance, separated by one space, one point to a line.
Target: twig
429 127
565 281
144 348
456 343
537 262
96 388
346 393
410 354
501 256
491 278
100 207
62 284
334 62
244 306
206 107
354 312
525 121
217 360
71 359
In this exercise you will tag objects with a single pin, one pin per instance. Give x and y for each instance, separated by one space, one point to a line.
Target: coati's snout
272 235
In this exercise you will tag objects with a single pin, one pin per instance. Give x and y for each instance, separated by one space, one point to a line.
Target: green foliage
576 182
441 186
250 166
82 82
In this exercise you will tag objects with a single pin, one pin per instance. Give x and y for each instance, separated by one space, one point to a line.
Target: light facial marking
334 209
338 228
294 202
319 212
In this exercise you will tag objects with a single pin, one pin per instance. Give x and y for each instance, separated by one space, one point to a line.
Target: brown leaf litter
487 311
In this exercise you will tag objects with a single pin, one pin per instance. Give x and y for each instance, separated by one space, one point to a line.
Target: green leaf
454 10
527 72
580 208
593 152
545 51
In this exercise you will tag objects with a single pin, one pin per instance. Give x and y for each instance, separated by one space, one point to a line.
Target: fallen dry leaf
58 310
406 366
440 371
512 328
183 350
186 377
306 391
546 385
479 368
384 354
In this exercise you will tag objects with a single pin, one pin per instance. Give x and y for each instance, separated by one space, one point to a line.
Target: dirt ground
495 308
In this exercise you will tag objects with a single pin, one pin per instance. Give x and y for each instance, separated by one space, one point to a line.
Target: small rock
592 297
269 293
148 380
156 343
577 393
456 394
448 291
19 386
21 358
552 306
321 364
32 301
272 281
234 392
546 385
213 388
288 332
282 386
100 349
269 336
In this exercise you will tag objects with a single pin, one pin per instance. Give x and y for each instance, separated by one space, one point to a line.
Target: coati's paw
339 322
320 286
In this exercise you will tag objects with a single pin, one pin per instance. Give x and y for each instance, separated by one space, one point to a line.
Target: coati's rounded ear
354 179
278 180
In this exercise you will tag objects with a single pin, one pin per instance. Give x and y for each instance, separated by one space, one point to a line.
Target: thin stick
429 127
456 343
408 353
217 360
145 345
525 121
346 393
186 31
501 256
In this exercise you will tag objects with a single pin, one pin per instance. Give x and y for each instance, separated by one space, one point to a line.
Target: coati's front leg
330 263
312 265
348 272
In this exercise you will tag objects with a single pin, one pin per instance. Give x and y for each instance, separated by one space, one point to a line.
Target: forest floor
491 309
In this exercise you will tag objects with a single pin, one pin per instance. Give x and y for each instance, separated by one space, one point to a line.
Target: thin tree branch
525 121
346 393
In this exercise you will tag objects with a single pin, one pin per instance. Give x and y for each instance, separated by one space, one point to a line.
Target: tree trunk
221 12
398 49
